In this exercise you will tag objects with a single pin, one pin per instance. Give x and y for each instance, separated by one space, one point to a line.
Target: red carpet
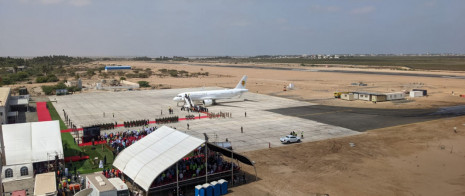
90 143
42 112
76 158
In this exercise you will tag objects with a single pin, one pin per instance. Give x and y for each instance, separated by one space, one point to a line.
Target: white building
28 145
395 96
4 106
416 93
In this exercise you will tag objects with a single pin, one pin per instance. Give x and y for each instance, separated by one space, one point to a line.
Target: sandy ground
417 159
317 87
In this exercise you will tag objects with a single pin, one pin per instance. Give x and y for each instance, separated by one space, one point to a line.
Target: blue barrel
216 188
224 186
199 191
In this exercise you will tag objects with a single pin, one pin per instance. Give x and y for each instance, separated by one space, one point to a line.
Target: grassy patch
55 116
88 166
72 149
69 147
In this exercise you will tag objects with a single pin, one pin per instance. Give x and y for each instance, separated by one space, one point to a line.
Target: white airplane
210 97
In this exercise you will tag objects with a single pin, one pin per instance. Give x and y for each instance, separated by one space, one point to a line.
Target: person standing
187 126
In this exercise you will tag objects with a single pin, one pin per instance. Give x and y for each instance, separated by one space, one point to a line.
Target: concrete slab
262 126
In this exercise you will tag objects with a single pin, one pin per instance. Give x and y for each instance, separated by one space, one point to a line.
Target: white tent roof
45 184
32 142
149 157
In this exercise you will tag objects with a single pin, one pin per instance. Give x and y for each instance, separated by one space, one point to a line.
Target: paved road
336 71
363 119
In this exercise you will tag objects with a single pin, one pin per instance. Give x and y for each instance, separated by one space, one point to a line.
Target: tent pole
177 179
232 168
206 163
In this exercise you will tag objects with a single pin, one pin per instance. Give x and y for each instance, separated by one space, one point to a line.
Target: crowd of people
194 166
121 140
195 108
171 119
135 123
111 173
105 126
190 117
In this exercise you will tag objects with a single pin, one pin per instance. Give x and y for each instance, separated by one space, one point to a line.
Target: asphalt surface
338 71
363 119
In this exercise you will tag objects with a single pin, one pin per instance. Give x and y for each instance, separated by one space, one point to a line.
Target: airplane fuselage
210 97
213 94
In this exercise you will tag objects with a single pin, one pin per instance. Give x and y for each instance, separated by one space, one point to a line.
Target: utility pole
206 158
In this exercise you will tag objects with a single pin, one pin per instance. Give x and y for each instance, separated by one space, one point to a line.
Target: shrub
52 78
60 85
173 72
143 75
41 79
48 90
143 84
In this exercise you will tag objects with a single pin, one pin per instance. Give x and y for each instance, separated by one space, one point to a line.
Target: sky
230 27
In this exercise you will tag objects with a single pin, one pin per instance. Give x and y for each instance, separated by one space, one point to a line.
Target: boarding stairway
188 101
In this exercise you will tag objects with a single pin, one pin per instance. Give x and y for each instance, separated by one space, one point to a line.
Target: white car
290 139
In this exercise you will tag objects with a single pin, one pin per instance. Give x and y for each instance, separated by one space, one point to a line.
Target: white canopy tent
32 142
144 160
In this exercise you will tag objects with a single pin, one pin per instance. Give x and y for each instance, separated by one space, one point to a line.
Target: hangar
159 151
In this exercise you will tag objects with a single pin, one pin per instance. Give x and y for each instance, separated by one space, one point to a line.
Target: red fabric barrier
90 143
42 112
76 158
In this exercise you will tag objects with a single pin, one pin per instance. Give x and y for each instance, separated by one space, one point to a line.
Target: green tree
52 78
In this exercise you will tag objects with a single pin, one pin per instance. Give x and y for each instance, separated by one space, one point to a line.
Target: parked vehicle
290 139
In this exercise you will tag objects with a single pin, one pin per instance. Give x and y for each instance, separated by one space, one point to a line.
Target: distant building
4 104
76 83
117 68
395 96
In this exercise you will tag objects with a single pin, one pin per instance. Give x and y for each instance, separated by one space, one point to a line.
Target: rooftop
100 182
4 92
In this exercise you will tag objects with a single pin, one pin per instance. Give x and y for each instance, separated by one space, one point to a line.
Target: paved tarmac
262 127
268 117
333 71
361 119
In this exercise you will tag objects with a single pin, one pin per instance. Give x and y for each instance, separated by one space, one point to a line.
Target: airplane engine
207 102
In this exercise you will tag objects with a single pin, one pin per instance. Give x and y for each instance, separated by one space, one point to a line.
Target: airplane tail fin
241 84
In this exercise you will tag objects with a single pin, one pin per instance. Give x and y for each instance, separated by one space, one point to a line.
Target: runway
363 119
335 71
